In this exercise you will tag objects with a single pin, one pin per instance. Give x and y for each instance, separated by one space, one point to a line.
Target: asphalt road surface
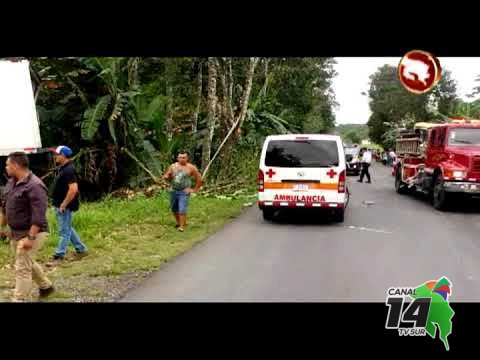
386 240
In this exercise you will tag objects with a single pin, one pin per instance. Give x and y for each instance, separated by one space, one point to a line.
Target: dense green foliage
393 107
353 133
127 117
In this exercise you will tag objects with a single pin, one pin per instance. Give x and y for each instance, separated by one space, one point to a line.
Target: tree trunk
211 105
198 100
226 114
229 89
247 88
266 60
169 71
229 141
223 99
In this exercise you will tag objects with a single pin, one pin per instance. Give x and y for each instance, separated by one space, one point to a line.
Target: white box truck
19 126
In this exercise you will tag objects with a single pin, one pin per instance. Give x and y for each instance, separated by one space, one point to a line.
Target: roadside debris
368 203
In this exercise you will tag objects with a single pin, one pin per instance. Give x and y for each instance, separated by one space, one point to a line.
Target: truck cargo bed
19 127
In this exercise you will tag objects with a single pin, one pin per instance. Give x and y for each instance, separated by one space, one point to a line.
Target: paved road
396 241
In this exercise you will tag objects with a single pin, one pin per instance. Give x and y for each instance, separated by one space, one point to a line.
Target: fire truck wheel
339 215
400 186
268 214
440 196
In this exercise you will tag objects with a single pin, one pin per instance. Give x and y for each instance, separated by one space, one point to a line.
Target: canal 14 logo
428 311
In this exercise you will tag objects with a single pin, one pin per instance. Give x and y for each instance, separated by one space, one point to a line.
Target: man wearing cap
66 201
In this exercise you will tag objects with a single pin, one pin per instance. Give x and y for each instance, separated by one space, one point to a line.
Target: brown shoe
56 260
43 293
80 255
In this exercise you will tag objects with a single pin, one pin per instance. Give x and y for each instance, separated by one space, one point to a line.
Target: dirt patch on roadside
81 288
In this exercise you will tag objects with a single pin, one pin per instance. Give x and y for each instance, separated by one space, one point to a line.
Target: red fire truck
441 160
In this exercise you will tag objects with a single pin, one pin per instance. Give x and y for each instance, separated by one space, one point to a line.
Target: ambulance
304 170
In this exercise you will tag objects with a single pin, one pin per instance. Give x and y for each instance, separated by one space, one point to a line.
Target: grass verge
127 239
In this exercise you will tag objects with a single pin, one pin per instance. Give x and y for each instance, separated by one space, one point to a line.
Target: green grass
127 236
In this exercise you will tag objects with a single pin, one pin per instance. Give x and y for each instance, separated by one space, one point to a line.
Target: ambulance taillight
260 180
341 182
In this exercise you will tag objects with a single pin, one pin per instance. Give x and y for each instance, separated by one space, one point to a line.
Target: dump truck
441 160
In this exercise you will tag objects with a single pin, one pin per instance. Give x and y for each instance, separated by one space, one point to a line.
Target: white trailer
19 129
19 125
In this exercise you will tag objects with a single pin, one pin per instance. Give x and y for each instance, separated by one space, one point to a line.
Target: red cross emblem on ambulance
270 173
331 173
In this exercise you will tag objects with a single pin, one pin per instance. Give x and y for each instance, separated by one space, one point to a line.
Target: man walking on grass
66 201
179 175
25 207
366 161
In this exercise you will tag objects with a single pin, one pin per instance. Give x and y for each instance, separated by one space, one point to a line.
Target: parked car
352 160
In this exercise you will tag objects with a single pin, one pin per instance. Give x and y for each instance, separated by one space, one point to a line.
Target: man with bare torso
179 175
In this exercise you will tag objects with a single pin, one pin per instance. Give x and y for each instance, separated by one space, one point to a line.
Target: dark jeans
67 234
364 172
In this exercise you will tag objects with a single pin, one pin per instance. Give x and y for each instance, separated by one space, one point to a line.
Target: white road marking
370 230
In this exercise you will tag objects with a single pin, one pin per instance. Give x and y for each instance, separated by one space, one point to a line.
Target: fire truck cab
441 160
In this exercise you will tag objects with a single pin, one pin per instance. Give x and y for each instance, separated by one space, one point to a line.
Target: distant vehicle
352 160
19 129
302 171
441 160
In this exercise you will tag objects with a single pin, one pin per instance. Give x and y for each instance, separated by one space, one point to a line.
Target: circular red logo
419 71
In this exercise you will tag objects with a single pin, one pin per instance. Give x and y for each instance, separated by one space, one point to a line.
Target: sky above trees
353 79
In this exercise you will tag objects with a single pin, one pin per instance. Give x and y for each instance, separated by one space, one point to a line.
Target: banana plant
135 123
118 77
93 116
256 112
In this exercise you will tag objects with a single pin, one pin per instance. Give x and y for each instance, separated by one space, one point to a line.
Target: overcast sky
353 78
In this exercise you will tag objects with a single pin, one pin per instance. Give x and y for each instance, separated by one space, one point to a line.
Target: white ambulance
302 171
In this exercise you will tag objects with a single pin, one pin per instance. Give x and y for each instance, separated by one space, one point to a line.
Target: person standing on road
179 175
25 208
366 161
66 201
392 157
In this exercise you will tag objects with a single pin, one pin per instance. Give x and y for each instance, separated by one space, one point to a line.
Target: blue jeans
179 201
67 233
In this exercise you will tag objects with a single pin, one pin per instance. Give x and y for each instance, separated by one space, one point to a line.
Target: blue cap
64 150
